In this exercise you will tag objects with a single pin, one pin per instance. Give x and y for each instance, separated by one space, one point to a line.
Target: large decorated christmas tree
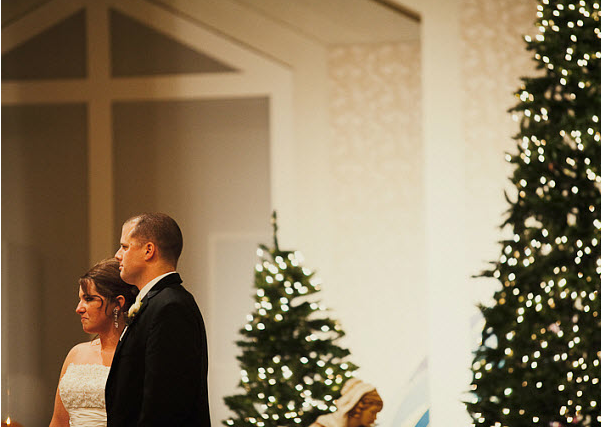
292 368
538 363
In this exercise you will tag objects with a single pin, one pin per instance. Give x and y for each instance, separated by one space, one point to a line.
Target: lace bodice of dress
82 391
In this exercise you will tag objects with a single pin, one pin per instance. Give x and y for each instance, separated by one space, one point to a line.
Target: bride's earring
115 317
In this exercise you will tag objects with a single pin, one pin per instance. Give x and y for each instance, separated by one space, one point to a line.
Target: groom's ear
150 250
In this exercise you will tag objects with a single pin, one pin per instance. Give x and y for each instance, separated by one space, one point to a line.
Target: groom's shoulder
175 299
175 292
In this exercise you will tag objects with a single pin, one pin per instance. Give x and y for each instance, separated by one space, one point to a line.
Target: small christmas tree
292 370
538 363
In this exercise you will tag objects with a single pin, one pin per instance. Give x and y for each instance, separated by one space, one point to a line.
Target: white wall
473 56
44 251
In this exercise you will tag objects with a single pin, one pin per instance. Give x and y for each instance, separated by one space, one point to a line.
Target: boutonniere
134 309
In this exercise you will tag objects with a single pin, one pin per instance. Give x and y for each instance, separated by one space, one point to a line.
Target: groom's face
131 256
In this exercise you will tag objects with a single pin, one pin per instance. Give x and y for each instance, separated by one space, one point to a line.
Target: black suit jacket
158 376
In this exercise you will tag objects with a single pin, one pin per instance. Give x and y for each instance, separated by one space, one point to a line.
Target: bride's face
92 309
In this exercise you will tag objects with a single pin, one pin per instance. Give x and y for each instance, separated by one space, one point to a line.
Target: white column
100 157
444 157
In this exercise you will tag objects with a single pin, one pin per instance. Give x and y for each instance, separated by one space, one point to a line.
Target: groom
158 376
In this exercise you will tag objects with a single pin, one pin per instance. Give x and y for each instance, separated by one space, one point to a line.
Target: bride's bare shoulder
83 352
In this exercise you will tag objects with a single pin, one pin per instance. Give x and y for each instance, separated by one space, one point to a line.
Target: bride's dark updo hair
105 275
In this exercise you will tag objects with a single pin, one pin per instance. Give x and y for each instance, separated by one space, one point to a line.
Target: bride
104 300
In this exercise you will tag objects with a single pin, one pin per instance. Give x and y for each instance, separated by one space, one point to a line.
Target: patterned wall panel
376 143
377 205
493 60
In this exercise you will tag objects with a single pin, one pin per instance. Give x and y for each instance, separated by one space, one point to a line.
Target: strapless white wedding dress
82 391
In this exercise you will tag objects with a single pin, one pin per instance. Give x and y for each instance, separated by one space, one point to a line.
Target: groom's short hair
160 229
